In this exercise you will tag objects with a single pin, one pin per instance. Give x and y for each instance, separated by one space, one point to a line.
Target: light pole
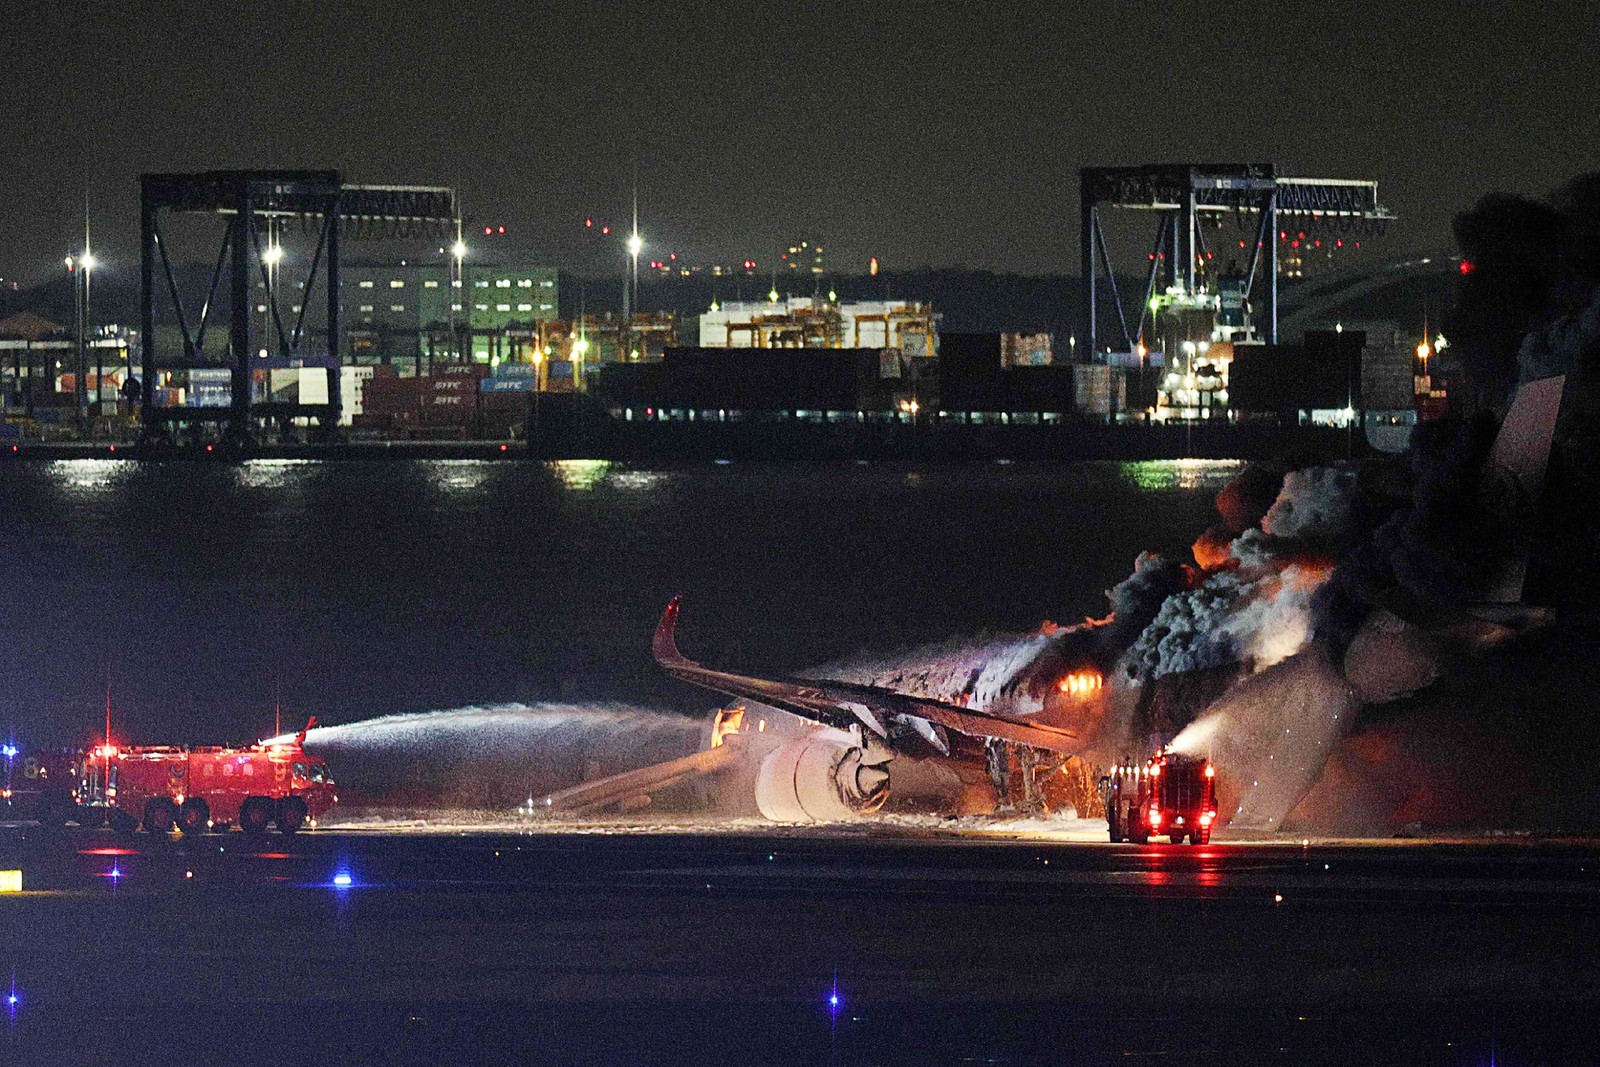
458 296
272 255
630 289
80 267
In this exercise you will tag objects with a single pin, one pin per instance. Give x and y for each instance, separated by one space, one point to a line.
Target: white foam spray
494 756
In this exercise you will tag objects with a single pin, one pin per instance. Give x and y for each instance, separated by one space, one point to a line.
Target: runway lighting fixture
635 244
459 249
343 880
9 751
272 255
88 262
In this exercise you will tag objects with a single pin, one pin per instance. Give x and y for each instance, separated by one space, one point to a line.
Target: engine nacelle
822 777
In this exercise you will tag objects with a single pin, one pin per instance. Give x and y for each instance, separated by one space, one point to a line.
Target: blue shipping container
513 385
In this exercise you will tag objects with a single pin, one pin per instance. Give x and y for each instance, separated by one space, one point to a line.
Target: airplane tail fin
665 643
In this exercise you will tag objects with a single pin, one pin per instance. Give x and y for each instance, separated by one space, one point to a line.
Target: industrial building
406 312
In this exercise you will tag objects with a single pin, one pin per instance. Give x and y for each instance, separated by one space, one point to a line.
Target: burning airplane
1327 603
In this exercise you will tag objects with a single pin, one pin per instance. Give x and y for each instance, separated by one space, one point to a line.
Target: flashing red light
1358 244
1339 243
1283 235
605 229
1467 266
650 411
588 224
487 230
500 229
14 448
208 448
1301 235
1241 244
1211 255
504 447
1319 244
113 448
673 256
1152 257
1294 244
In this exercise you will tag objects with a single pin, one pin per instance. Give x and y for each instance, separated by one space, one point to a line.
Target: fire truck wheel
122 822
291 815
255 814
90 818
159 815
194 816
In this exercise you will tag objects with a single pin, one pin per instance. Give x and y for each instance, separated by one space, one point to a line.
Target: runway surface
679 947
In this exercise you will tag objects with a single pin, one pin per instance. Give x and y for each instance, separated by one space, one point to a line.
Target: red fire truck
1169 794
205 788
158 787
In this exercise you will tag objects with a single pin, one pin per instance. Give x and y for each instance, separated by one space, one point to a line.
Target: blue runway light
9 751
342 880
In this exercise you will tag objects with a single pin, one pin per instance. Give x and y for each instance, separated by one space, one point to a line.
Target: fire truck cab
205 788
51 785
1169 794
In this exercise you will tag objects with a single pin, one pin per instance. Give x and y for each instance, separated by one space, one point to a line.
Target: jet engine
825 776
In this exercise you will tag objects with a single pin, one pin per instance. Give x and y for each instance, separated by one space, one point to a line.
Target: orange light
1081 683
1211 772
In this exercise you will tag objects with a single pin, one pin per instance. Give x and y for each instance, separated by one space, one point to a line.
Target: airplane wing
843 704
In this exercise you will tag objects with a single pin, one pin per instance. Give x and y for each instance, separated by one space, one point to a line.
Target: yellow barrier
10 881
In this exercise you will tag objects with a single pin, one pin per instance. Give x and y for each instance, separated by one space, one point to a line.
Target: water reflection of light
638 481
94 474
458 475
1180 473
580 474
269 473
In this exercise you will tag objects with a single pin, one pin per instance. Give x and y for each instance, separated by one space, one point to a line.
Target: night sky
928 134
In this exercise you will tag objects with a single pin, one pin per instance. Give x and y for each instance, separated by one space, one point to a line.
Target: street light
630 288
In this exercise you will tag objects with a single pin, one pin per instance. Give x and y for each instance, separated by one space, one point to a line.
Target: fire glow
1082 683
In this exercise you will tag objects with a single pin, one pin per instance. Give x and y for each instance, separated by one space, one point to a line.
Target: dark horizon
928 138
